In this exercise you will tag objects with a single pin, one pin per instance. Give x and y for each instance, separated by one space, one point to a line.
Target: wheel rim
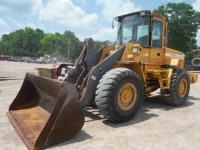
197 61
182 89
127 96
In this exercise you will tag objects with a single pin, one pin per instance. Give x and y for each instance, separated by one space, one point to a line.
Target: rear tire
119 94
179 88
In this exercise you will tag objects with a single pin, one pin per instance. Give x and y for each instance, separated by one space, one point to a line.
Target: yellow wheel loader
47 111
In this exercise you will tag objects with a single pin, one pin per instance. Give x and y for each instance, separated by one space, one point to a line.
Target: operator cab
136 28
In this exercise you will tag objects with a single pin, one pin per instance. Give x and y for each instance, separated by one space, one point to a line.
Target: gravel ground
156 126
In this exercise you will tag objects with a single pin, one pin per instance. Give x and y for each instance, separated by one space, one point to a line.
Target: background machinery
47 111
194 64
196 58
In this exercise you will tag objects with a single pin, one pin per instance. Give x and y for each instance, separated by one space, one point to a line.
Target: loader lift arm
87 67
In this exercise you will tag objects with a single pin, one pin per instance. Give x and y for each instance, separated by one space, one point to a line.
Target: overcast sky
86 18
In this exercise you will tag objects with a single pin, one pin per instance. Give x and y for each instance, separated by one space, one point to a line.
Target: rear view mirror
113 23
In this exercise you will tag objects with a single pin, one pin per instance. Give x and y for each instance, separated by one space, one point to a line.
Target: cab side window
157 34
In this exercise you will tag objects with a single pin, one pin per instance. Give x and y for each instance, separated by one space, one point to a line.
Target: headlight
135 50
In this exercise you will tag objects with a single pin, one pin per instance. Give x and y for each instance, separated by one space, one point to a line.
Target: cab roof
143 12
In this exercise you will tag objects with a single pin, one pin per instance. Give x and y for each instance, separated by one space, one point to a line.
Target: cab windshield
133 29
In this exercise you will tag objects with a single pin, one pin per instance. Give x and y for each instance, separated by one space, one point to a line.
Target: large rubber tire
119 94
179 88
196 62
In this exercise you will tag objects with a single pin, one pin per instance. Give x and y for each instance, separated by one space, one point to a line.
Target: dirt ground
156 126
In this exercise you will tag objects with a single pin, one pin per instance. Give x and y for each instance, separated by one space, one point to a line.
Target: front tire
119 94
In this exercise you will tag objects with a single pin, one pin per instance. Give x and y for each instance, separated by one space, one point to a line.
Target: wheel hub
182 89
197 62
127 96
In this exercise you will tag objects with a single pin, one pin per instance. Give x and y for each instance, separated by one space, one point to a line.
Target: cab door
156 50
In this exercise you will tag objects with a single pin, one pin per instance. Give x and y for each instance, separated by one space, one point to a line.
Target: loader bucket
45 112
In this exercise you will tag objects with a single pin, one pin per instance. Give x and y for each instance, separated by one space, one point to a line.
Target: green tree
22 42
99 44
72 45
29 42
183 23
50 43
65 45
5 47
